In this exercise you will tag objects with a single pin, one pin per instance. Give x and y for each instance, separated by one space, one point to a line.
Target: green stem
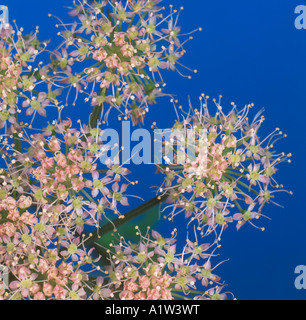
17 141
241 183
238 206
95 115
128 217
178 296
88 196
235 173
81 38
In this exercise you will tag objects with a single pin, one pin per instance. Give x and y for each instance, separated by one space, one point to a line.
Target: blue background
249 53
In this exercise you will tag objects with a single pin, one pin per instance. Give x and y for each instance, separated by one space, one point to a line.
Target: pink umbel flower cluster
60 172
21 74
155 269
152 269
49 195
128 43
228 172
